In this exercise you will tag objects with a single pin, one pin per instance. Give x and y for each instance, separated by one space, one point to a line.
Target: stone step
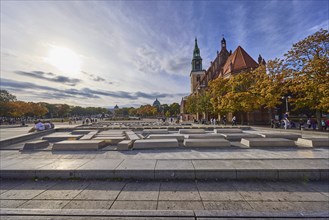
239 136
313 142
227 130
191 131
88 136
81 131
206 143
267 142
132 135
179 137
281 135
39 144
125 145
155 143
205 136
108 139
154 131
79 145
61 137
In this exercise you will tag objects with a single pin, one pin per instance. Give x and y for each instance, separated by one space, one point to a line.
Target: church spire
196 60
223 43
196 51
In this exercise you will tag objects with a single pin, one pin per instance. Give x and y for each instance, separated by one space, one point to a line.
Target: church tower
196 73
196 60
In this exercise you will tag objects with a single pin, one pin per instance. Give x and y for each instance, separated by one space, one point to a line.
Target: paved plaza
244 197
179 182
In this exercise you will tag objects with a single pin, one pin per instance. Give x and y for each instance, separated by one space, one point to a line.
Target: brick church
226 64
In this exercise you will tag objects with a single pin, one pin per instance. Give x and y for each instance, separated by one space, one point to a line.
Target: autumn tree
218 89
203 103
308 67
5 98
18 109
191 104
270 84
174 109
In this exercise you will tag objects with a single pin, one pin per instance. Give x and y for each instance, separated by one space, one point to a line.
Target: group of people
40 126
213 121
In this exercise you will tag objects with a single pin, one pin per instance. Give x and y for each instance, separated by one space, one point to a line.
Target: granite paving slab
218 191
101 190
134 205
78 204
66 190
27 190
185 191
180 205
136 191
44 204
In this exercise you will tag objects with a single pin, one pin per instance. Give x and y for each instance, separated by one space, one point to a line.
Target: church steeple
223 43
197 60
196 51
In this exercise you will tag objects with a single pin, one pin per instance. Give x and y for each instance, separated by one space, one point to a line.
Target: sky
103 53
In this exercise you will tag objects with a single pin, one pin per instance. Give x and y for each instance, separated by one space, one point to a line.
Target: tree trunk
242 121
318 119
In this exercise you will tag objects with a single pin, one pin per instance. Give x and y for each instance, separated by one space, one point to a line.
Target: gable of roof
239 60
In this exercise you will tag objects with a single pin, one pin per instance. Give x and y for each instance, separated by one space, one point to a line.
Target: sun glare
64 59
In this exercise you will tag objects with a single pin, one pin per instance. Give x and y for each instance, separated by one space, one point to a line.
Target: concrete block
154 131
79 145
228 130
205 136
239 136
88 136
39 144
61 137
81 131
155 143
125 145
179 137
267 142
109 140
206 143
281 135
313 142
191 131
132 135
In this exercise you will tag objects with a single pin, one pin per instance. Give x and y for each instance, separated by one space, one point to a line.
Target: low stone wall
24 137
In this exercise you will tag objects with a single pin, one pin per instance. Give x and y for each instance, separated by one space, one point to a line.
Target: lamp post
286 97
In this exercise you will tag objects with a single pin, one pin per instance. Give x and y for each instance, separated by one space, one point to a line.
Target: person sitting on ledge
40 126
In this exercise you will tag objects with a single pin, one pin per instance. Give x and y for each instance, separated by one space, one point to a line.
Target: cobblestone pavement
260 196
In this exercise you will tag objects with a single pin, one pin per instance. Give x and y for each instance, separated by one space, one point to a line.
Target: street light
286 97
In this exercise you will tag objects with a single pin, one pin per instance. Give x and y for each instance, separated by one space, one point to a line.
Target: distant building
157 104
226 64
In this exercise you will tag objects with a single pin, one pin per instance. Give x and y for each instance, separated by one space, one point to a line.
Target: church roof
239 60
